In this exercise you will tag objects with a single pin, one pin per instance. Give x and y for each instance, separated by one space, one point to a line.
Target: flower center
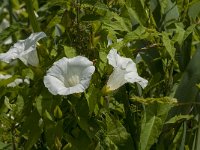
73 80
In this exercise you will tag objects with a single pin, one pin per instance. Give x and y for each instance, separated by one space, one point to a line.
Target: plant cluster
96 74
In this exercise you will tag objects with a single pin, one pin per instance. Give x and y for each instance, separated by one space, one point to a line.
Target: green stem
10 9
78 10
32 17
36 27
129 117
13 138
197 135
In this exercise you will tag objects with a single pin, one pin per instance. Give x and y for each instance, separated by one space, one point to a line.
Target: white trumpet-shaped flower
3 25
110 42
69 75
16 82
124 71
25 50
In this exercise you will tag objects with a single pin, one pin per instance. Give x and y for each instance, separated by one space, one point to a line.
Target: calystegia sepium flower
69 75
16 82
25 50
124 71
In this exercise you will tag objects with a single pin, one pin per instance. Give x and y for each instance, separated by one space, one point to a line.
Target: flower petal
116 79
109 42
134 77
59 69
75 89
69 75
80 61
116 60
113 57
124 71
86 76
31 41
53 84
2 77
25 50
15 83
80 66
10 55
30 58
131 66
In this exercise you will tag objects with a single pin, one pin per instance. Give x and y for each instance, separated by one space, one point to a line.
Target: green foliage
161 36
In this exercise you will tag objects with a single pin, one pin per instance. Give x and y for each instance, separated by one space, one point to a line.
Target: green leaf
58 112
151 129
163 5
118 134
3 145
183 140
171 13
69 51
10 31
31 129
7 103
47 115
161 100
19 106
189 30
187 91
196 140
92 97
138 34
151 58
194 10
91 17
45 104
53 133
96 4
116 22
177 139
136 11
168 45
55 20
179 118
79 142
28 73
153 119
179 36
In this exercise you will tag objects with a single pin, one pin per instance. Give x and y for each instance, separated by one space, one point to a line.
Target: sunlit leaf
179 118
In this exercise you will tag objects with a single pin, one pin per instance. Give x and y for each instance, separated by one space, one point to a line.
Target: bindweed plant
99 75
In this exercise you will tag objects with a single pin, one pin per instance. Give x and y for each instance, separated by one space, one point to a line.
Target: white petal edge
116 60
113 57
116 79
24 50
53 84
66 68
134 77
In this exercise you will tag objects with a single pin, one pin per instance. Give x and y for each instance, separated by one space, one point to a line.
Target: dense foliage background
165 115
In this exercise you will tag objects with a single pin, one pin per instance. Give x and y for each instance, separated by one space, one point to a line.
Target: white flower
5 24
25 50
15 82
3 77
69 75
118 40
124 71
109 42
138 58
